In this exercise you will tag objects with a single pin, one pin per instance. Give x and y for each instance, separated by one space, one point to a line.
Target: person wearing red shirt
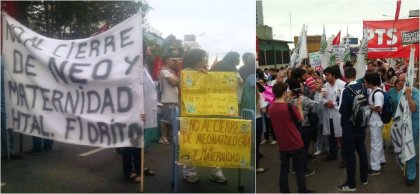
290 144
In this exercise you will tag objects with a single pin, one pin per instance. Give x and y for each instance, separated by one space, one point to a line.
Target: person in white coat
376 101
332 116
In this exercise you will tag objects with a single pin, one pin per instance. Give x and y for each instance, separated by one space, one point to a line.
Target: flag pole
397 13
290 22
142 167
142 140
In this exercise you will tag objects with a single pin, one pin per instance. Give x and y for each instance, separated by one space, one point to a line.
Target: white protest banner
85 91
315 59
361 55
402 129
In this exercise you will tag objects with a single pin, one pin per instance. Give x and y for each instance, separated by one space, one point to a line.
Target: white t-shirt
262 104
169 93
375 119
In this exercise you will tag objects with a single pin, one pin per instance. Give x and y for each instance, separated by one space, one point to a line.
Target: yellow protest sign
215 142
213 93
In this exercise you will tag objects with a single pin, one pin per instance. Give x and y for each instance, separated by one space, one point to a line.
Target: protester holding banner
228 64
412 96
168 83
396 92
197 59
131 156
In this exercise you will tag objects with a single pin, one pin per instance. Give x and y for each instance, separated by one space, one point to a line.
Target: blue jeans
299 158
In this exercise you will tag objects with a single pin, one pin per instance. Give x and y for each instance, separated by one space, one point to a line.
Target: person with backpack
376 103
290 144
353 108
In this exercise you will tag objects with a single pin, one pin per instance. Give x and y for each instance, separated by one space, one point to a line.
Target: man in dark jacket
353 137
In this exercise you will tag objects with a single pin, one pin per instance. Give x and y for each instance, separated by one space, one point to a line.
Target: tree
75 19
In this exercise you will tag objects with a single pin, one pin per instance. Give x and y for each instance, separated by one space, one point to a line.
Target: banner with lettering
212 93
315 59
402 129
85 91
392 39
339 51
215 142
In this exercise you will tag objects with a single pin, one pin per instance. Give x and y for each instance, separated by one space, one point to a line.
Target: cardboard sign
215 142
212 93
315 59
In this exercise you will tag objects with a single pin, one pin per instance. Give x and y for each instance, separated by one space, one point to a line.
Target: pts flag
392 39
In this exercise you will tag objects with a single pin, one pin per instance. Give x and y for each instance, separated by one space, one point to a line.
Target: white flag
347 55
324 50
402 131
361 54
301 50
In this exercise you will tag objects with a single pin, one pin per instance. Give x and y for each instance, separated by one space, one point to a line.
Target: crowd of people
302 108
166 92
299 108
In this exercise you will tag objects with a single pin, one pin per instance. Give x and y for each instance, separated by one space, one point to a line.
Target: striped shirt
310 82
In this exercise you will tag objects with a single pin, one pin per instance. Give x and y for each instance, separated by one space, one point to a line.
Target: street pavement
62 170
328 175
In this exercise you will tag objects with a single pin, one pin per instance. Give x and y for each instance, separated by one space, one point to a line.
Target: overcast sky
222 25
334 14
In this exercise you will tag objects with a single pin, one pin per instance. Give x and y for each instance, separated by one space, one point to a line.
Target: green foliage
75 19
